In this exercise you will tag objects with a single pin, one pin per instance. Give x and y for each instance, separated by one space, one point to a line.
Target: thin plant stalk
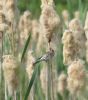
6 96
50 85
15 95
72 97
20 93
1 54
50 81
31 96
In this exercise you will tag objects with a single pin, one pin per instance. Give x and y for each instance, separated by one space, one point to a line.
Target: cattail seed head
24 26
76 26
70 47
10 69
77 14
30 64
35 30
12 15
79 35
3 25
11 10
48 14
47 2
76 77
42 42
1 5
65 16
62 83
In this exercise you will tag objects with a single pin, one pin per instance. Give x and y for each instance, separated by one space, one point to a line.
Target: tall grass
46 39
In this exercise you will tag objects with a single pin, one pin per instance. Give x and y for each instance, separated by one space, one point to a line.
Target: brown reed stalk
50 27
50 84
1 54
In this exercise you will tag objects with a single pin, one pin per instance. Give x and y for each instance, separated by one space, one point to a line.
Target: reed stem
6 97
1 55
15 95
50 86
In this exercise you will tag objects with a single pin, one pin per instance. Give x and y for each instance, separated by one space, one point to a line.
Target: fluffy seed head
79 35
11 10
47 2
3 26
62 83
76 26
10 68
65 16
35 30
48 14
70 47
77 14
76 76
1 4
24 26
30 66
42 42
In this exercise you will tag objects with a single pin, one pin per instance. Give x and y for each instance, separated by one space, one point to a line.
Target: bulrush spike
76 80
70 47
10 69
47 15
79 35
25 25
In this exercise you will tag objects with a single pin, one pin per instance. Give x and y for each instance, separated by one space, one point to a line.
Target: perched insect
48 55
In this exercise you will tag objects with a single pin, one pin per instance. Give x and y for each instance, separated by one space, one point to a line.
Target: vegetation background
34 7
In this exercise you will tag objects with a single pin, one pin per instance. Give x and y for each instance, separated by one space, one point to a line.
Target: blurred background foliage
34 5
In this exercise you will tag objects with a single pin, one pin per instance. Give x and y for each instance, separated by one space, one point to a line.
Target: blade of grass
84 15
80 5
25 47
31 83
80 8
70 8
